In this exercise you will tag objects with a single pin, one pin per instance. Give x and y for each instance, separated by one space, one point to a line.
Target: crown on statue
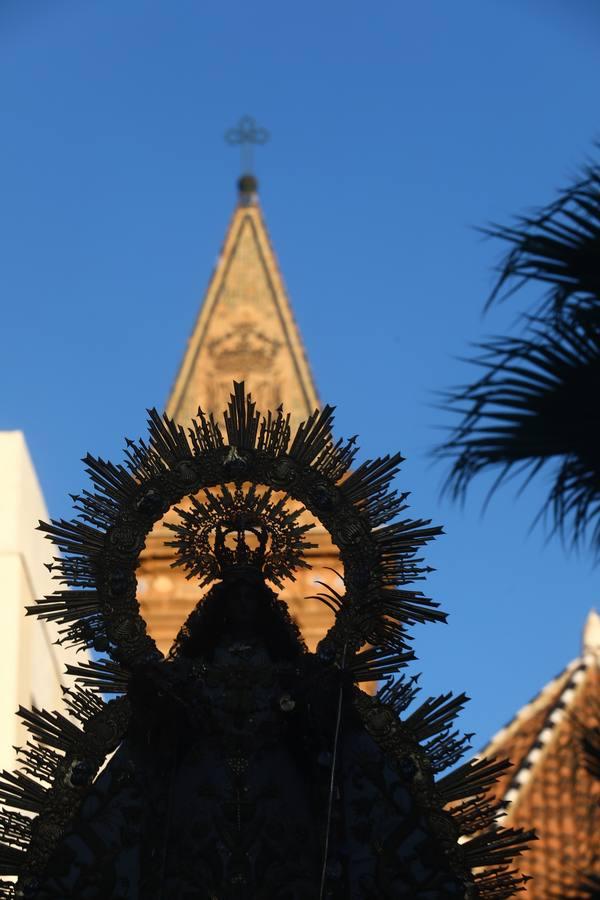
247 532
240 559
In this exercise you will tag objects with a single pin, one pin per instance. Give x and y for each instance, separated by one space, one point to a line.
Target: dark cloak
222 788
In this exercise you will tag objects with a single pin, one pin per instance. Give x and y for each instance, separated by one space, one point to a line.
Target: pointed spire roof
245 329
549 787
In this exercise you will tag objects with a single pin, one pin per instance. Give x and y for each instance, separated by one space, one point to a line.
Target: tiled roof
549 787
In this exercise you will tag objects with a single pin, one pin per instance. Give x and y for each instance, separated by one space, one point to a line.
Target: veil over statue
242 766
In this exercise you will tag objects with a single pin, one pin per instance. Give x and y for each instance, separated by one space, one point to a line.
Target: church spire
245 330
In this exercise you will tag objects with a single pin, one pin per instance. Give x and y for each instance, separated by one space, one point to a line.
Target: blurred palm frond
557 247
535 403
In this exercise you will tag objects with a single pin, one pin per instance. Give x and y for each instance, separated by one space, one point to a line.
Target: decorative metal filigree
204 529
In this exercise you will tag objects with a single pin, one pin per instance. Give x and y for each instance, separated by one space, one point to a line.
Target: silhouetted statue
244 767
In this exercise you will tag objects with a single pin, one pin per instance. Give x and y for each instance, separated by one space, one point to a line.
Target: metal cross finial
246 134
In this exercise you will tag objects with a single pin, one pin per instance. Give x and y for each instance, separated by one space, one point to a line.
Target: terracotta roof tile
549 787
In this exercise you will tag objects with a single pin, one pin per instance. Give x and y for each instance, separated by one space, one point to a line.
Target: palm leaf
535 404
557 247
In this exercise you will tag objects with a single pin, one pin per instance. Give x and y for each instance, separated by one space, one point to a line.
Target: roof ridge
542 739
527 708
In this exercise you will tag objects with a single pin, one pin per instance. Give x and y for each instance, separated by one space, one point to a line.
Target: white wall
30 667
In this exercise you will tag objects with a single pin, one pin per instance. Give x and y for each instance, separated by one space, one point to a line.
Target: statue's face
241 606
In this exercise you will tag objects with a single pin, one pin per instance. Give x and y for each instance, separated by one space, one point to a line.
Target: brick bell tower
245 331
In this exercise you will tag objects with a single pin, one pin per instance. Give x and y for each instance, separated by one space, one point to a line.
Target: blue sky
397 128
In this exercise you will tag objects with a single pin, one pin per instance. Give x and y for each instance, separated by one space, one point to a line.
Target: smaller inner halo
246 529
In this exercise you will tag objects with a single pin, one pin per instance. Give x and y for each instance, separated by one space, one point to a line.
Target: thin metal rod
336 738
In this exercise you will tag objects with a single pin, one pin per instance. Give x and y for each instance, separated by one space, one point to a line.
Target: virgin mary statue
242 766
